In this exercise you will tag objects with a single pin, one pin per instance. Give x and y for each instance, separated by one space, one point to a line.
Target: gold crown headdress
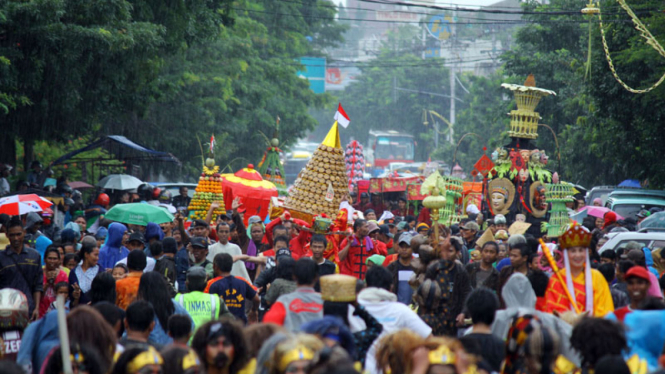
575 236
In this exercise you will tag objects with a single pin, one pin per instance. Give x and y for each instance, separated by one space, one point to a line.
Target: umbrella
599 211
122 182
18 208
632 183
30 199
656 220
138 214
79 185
253 190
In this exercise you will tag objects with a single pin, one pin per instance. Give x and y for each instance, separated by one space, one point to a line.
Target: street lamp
459 142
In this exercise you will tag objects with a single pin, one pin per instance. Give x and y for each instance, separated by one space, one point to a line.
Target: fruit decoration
208 190
355 162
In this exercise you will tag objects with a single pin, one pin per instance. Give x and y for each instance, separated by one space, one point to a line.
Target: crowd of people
391 293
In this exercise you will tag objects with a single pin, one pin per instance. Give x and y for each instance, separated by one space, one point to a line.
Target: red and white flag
341 117
212 144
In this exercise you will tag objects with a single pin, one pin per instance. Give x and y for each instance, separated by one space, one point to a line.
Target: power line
481 10
410 5
497 22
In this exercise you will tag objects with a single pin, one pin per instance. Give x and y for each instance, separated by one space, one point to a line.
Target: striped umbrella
22 204
18 208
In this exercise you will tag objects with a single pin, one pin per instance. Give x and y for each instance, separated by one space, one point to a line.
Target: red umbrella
32 199
253 190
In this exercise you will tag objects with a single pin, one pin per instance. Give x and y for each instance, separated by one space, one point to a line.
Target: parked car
624 193
598 192
629 207
650 239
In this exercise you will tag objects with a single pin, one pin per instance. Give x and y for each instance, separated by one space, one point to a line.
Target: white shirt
239 269
150 265
393 315
4 186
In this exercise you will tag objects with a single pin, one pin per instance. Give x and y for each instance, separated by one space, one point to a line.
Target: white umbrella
121 182
17 208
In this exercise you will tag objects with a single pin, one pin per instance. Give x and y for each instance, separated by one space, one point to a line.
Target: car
629 207
599 192
174 188
650 239
623 193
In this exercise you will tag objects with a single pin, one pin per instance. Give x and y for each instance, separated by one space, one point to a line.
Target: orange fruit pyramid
208 190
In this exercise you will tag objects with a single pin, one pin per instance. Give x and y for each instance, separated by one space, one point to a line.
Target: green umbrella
138 214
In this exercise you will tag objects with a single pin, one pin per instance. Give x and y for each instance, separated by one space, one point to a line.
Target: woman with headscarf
587 287
610 219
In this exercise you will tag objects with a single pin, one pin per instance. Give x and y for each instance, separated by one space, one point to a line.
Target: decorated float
517 183
254 192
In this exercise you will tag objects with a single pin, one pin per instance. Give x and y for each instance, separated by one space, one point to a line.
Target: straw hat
338 287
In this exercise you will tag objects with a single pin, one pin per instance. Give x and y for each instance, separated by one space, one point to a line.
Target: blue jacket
37 341
113 251
152 230
649 261
181 267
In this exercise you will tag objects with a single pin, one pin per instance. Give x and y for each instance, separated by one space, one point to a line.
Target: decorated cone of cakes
321 185
208 190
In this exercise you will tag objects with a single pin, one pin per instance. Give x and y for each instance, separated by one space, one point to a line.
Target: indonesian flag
341 117
212 144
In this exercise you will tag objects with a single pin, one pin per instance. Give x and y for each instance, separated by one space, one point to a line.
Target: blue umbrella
631 183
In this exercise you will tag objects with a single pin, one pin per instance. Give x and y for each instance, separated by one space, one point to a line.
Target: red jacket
355 262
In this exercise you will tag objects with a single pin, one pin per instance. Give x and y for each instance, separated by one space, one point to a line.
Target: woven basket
338 287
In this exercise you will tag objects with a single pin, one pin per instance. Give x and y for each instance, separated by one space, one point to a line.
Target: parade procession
332 187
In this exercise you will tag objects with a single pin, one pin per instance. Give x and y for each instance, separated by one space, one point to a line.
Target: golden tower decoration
524 120
323 182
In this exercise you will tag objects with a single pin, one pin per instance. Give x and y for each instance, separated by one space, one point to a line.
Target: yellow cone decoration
208 190
321 185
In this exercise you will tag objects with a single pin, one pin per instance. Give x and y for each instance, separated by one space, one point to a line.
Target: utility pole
452 77
424 41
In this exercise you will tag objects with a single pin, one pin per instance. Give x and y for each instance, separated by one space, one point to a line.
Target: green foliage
164 74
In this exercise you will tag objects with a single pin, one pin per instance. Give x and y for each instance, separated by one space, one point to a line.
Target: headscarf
528 336
657 260
598 200
609 218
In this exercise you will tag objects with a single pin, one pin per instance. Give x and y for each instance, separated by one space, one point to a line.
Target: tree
72 63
